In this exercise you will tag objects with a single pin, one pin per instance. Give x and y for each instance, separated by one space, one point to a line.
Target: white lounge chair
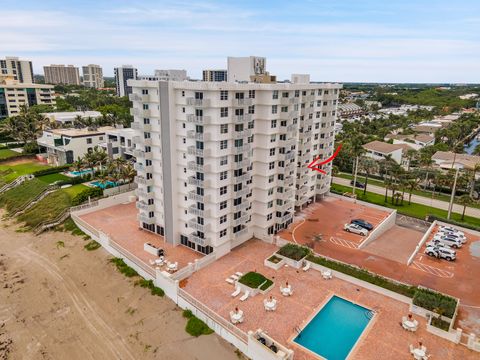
306 267
151 262
245 296
238 273
237 291
411 349
230 281
234 277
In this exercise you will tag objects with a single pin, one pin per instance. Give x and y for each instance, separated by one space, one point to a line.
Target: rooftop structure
67 118
214 75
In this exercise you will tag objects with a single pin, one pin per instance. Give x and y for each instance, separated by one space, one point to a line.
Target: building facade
16 69
218 163
122 74
215 75
14 95
92 76
61 74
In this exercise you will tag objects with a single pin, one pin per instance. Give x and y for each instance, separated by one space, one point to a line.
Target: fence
239 334
37 230
86 227
119 189
128 255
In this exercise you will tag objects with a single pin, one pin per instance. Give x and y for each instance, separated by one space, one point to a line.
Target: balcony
192 210
242 102
241 232
286 218
198 102
241 220
140 112
292 128
197 239
139 153
192 165
293 113
241 206
289 155
192 195
241 164
192 134
141 193
243 177
139 167
134 97
242 118
145 219
242 192
193 181
141 205
139 179
241 149
195 225
192 150
197 119
242 134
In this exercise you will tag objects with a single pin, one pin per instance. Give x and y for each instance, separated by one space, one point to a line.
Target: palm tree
474 171
26 126
78 164
397 197
464 200
89 161
412 185
426 162
368 166
128 172
388 184
411 155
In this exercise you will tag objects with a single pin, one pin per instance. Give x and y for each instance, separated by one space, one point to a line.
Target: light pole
452 196
355 177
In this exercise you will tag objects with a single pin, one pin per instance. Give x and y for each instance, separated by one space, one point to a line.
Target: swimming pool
333 332
104 185
79 173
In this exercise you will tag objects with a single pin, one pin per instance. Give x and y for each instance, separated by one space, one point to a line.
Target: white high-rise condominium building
92 76
122 74
166 75
61 74
219 163
16 69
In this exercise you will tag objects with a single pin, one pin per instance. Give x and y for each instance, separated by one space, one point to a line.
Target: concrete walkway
439 204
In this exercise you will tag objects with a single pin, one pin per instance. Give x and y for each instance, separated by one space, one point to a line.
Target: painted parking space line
342 242
432 270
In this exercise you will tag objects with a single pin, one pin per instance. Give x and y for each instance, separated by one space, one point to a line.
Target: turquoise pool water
104 185
333 332
81 172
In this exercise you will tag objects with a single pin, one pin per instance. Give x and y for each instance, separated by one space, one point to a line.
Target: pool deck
383 339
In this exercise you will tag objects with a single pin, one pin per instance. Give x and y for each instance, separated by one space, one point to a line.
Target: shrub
197 327
434 301
30 148
123 268
187 314
82 197
92 245
254 280
439 323
293 251
364 275
432 218
51 170
150 285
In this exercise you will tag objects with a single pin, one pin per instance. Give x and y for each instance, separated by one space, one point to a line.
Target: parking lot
468 259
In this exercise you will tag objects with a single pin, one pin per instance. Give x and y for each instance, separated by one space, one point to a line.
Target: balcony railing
198 119
241 164
241 220
242 102
193 181
192 150
242 134
195 225
192 165
139 179
243 177
139 167
241 232
192 195
197 239
192 210
241 206
145 206
242 118
146 219
192 134
198 102
241 149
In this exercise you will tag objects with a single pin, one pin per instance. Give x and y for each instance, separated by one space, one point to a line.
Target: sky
417 41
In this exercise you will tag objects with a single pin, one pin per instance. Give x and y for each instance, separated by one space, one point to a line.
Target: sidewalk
439 204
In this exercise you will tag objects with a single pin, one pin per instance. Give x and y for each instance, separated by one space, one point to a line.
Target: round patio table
418 353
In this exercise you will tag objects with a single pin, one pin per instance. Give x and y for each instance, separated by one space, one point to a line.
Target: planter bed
274 262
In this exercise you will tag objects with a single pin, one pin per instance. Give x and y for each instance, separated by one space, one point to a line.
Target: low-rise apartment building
449 160
220 162
379 150
416 141
64 146
119 143
14 95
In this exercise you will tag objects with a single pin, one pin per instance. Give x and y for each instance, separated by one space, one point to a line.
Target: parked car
453 234
356 229
441 253
359 184
448 240
364 224
438 244
450 229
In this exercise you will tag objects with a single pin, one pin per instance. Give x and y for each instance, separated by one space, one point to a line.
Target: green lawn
21 194
51 178
7 153
414 210
51 206
427 194
8 173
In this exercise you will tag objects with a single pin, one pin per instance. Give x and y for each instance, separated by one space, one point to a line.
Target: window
198 95
271 179
284 109
271 165
285 94
223 95
275 94
144 91
223 175
223 190
273 124
251 109
251 94
270 204
269 217
270 191
223 160
223 219
223 111
223 144
274 109
224 129
272 152
223 233
272 138
250 125
223 205
89 141
297 93
319 92
199 112
145 106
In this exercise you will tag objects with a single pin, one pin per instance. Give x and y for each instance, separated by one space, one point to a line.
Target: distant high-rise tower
16 69
92 76
122 74
214 75
61 74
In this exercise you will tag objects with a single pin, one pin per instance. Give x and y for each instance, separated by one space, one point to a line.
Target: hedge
436 302
74 180
365 275
52 170
293 251
432 218
85 194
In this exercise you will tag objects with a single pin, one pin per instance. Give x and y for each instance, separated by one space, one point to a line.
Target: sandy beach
63 302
